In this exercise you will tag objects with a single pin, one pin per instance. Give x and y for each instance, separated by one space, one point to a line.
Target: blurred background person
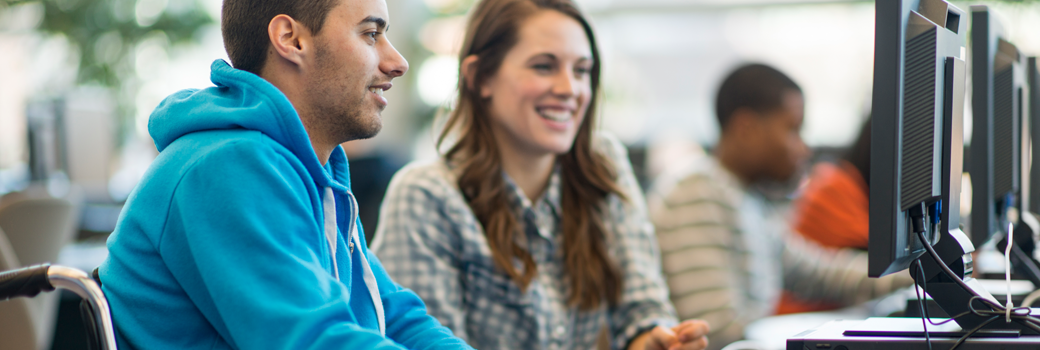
833 210
531 232
726 251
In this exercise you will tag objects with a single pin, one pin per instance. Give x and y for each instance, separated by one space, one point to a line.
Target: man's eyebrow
380 23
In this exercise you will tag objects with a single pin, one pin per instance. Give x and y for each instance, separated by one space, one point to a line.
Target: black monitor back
1001 132
918 83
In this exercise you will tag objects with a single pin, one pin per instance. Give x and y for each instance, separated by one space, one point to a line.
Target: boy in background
726 254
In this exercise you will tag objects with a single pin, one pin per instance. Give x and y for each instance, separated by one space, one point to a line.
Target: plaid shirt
429 241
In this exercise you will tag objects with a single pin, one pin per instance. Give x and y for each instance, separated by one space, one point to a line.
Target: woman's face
539 95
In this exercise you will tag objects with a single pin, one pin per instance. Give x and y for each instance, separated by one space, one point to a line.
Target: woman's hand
689 335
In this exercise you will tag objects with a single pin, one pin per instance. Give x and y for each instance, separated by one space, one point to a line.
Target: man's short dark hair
244 26
755 86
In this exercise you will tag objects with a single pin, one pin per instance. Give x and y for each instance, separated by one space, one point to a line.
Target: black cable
917 218
942 265
973 331
924 287
1025 319
1018 313
920 303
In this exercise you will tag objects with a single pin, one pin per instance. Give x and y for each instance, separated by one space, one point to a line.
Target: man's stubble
342 116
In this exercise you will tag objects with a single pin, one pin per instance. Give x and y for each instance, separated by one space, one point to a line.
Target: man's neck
323 152
323 149
289 87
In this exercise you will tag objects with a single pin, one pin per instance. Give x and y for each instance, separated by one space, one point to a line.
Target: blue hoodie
225 244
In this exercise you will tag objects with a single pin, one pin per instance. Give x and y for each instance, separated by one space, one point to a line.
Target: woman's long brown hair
587 176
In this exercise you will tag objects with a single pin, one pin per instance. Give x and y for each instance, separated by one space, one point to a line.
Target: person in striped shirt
726 253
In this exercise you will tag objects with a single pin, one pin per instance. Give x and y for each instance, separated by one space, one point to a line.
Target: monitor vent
1003 133
919 120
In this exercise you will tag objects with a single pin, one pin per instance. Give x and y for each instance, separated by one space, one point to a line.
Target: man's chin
370 130
368 135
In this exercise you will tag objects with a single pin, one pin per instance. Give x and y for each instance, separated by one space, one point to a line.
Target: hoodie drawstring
329 204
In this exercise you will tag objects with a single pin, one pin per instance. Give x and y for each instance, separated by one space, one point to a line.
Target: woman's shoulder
428 175
631 195
609 146
616 154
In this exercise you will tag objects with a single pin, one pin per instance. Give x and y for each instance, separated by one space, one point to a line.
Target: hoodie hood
242 100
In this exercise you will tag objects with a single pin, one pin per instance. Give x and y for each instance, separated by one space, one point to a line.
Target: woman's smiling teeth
556 115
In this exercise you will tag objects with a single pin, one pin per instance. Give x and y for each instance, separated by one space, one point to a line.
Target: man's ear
290 40
743 121
469 73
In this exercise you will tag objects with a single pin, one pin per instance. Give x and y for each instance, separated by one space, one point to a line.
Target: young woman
530 232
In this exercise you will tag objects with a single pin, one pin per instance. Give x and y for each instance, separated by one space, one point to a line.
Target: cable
972 331
1007 274
994 315
1025 319
924 286
938 261
1020 315
920 302
1028 302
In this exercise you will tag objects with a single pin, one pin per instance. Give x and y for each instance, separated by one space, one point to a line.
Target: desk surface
771 333
829 336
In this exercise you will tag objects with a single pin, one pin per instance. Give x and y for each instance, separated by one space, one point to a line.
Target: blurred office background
78 79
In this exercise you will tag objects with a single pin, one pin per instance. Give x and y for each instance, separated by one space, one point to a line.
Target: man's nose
392 63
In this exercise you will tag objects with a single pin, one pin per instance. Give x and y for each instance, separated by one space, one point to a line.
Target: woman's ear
468 69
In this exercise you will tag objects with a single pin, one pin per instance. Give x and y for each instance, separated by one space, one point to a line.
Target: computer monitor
918 80
1027 226
916 159
1000 133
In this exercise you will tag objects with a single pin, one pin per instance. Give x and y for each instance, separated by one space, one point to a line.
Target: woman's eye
372 35
545 67
582 71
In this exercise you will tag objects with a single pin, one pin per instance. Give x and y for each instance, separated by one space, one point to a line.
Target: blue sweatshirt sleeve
242 240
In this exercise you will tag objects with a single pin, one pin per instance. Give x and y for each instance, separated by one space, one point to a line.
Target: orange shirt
832 211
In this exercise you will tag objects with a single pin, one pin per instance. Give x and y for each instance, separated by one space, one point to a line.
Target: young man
244 234
725 252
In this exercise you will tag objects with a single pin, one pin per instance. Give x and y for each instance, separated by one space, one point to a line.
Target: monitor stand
899 333
1020 289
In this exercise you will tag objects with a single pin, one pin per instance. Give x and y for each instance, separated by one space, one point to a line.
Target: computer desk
834 335
898 333
771 333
